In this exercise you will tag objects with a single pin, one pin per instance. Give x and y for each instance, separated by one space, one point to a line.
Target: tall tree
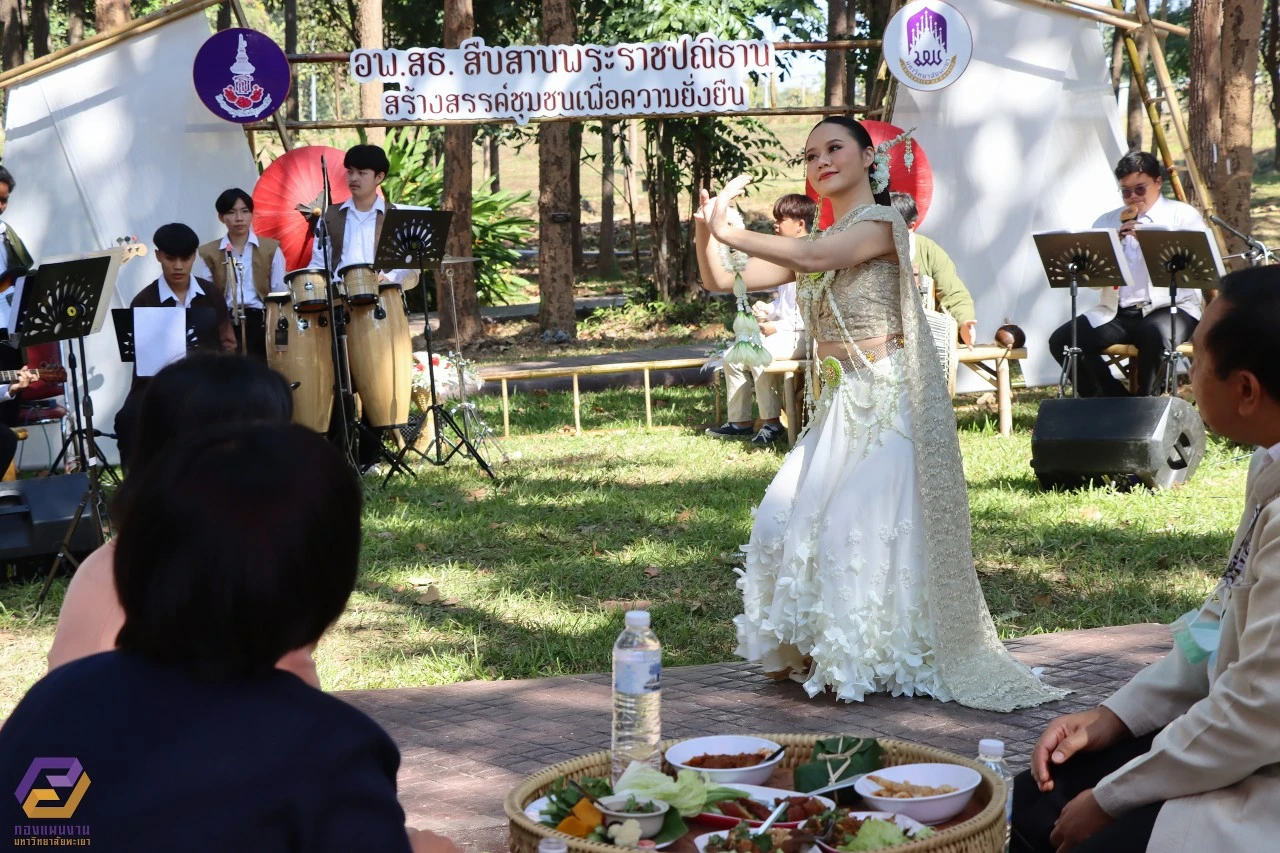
1271 61
459 25
839 26
607 266
1137 112
555 196
291 47
75 21
371 38
41 44
109 14
1205 94
13 43
1242 27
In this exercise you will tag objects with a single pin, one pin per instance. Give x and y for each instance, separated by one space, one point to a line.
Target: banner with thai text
476 82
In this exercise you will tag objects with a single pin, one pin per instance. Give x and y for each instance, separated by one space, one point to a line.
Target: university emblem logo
241 75
928 45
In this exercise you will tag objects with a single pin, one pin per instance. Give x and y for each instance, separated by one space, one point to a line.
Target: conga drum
380 351
309 289
360 282
299 347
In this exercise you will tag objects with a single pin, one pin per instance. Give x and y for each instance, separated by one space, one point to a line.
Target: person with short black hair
355 226
213 596
1137 315
934 269
175 245
781 330
258 267
1186 756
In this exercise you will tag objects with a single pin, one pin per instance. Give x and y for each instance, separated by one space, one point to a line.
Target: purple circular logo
241 75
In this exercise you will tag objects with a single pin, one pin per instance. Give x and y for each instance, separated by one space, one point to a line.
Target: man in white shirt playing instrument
256 269
1137 315
355 226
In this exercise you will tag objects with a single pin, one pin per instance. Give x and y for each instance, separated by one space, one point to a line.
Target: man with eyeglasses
1137 315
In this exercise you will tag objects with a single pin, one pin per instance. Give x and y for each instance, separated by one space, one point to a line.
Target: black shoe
730 430
769 434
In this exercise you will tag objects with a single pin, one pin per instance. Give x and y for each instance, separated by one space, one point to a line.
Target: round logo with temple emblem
928 45
241 75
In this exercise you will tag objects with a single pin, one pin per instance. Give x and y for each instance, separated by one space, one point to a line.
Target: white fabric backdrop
1024 141
118 144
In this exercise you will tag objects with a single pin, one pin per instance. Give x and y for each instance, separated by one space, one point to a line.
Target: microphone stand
1257 254
237 298
337 318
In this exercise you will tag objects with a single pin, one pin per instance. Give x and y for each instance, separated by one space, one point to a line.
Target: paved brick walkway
464 746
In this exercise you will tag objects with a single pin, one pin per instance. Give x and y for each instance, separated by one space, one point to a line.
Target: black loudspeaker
1157 441
34 517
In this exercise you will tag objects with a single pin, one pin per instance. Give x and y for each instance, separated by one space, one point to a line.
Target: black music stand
1091 258
1188 259
62 301
414 240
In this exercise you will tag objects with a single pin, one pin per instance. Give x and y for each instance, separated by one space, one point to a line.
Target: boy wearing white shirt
1137 315
260 269
355 226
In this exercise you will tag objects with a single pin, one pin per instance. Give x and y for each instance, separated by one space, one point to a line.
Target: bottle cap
991 747
553 845
637 619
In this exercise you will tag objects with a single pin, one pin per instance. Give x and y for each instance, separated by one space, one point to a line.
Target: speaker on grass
1157 441
35 515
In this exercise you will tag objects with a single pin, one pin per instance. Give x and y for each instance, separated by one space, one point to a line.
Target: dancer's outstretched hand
703 213
717 218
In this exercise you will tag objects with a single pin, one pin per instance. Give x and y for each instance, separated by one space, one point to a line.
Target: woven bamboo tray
982 833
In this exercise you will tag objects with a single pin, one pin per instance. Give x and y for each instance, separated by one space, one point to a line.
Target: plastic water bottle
991 753
637 695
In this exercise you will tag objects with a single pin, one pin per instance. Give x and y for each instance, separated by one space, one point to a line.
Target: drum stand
440 418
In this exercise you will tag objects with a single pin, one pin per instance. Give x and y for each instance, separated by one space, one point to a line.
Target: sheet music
159 338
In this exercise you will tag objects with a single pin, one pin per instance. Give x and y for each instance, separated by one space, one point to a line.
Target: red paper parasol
289 190
918 181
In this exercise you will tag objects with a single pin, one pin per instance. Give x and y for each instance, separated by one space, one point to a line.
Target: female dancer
859 574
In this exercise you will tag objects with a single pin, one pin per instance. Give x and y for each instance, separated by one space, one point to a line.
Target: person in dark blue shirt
235 546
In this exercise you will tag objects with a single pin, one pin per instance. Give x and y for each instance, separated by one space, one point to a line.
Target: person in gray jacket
1186 756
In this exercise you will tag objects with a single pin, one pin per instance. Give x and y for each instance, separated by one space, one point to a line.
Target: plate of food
845 831
745 839
758 802
627 820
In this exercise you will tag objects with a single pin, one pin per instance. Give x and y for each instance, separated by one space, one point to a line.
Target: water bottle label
637 672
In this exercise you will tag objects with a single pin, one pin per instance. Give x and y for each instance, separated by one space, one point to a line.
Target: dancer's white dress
860 571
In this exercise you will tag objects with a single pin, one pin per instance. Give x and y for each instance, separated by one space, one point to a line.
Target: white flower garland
748 348
880 164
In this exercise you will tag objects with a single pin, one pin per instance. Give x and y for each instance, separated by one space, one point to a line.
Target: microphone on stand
1257 251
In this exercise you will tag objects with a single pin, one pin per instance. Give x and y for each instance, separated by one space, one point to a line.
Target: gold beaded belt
833 369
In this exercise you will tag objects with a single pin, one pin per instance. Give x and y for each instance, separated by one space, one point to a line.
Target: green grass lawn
465 578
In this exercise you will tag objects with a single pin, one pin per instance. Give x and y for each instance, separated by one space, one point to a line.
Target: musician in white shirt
355 226
1137 315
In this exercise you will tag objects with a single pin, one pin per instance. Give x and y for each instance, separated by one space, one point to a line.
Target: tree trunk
838 27
291 47
75 21
1137 118
575 190
1117 60
1242 26
877 19
664 209
607 266
459 25
1271 60
41 45
224 17
556 214
495 148
109 14
371 39
13 42
1204 106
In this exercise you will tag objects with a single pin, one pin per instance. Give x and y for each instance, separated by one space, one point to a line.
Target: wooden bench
1123 356
990 362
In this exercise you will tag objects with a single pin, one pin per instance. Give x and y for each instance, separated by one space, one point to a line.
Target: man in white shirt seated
1137 315
355 226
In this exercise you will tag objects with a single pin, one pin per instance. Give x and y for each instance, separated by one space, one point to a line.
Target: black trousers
1150 334
255 330
1035 813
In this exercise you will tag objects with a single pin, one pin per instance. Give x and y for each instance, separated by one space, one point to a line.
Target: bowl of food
745 839
843 830
646 811
930 793
727 758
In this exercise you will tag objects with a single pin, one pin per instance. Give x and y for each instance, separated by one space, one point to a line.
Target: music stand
1188 259
62 301
1091 258
414 239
